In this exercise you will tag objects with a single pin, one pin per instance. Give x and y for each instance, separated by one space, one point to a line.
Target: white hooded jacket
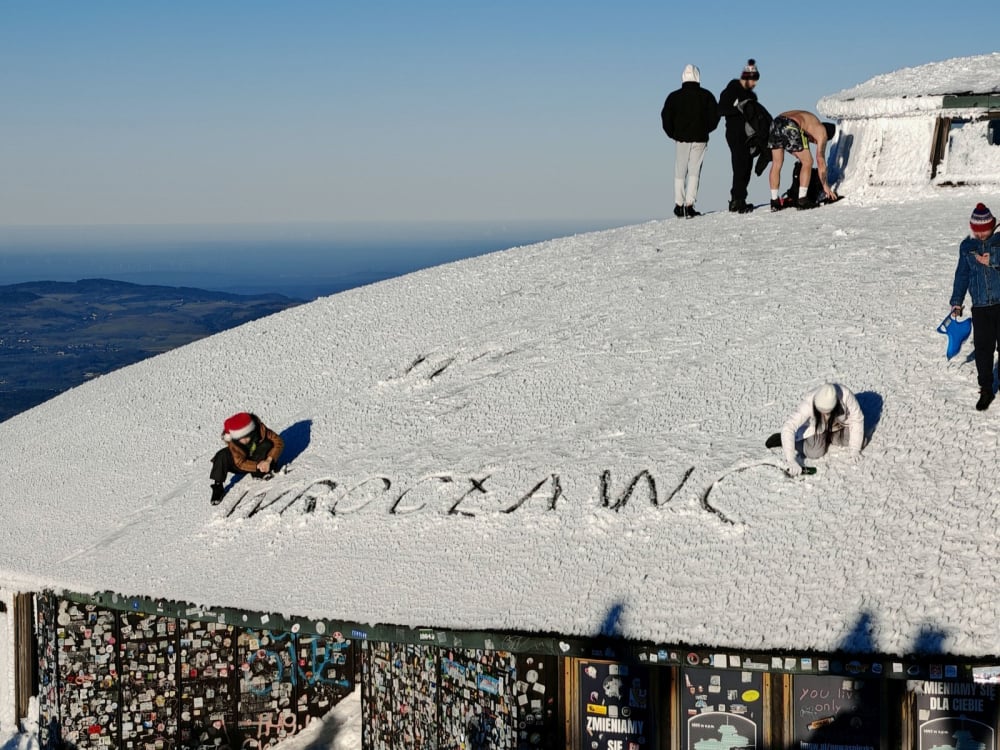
803 424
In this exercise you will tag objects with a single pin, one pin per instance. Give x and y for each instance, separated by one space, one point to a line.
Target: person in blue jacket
978 273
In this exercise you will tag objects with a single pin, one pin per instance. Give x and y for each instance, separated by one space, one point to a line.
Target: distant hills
55 335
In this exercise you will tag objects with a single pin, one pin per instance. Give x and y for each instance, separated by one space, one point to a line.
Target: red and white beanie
982 220
237 426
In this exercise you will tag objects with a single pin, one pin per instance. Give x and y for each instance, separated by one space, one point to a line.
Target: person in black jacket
738 91
689 114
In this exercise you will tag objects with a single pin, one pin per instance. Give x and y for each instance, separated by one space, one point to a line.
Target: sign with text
955 715
614 706
836 713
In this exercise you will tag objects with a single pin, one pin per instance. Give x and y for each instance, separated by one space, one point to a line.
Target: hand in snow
794 470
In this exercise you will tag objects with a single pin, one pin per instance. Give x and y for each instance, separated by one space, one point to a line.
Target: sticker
749 696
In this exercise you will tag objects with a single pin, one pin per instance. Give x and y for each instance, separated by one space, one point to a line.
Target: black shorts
785 133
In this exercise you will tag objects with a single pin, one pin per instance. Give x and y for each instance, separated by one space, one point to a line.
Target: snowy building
530 507
932 125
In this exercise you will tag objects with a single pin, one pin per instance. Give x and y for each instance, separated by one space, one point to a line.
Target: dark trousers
223 464
985 339
742 164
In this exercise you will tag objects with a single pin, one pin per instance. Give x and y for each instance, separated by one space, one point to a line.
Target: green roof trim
970 101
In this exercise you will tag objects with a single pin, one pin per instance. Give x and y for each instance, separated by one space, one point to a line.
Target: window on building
993 131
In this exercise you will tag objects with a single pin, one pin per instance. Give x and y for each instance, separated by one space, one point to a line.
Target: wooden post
25 653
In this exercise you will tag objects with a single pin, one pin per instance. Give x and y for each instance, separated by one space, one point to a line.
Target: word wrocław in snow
464 496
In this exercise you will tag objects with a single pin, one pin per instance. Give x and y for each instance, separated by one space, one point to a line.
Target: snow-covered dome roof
561 438
917 89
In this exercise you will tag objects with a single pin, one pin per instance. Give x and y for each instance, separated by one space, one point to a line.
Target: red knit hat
237 426
982 220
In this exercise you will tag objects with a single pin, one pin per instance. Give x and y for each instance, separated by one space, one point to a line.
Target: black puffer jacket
732 95
690 113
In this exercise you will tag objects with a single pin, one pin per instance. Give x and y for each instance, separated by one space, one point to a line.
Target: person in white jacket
829 415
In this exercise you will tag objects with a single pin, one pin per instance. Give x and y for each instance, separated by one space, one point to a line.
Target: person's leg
805 170
737 151
841 437
682 156
815 446
984 340
222 464
777 161
696 158
746 170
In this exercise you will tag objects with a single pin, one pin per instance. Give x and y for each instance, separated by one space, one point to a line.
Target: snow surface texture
673 348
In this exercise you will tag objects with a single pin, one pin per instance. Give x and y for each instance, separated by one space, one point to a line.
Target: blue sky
226 112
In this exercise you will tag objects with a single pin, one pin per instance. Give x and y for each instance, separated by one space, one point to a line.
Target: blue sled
957 332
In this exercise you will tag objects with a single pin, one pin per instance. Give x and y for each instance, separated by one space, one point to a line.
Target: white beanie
691 73
825 398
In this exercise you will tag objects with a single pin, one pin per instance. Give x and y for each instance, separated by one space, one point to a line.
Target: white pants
687 172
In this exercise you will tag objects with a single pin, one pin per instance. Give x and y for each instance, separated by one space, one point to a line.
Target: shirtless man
793 131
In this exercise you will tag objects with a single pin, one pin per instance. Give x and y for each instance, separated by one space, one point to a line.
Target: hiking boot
218 492
679 211
690 212
776 204
985 399
802 203
737 207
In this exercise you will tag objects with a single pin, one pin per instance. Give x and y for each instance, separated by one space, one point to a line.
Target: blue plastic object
957 332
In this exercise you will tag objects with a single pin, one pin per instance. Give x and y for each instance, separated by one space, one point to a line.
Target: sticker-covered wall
142 674
438 697
120 679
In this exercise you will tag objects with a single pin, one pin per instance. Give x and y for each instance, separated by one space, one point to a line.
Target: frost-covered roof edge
916 90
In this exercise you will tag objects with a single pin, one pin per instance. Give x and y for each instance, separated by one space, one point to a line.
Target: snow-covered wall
880 152
887 128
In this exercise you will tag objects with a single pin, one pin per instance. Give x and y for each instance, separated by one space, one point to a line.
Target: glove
956 311
794 469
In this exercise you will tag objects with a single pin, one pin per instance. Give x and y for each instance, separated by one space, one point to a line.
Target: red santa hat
237 426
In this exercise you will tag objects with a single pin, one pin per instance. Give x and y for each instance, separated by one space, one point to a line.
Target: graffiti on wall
287 680
118 679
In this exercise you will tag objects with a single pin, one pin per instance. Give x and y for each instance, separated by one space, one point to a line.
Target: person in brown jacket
251 448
